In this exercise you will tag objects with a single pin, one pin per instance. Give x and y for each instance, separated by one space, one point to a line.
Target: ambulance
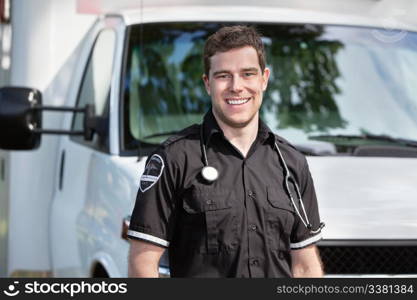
75 137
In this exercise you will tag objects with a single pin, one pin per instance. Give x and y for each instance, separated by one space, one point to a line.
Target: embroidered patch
152 173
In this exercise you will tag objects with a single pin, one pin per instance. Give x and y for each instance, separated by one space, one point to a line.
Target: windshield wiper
310 151
167 133
365 137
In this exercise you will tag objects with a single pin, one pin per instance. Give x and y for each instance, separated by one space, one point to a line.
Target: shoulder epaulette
193 129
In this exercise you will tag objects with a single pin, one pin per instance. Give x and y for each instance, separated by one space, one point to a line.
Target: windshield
325 80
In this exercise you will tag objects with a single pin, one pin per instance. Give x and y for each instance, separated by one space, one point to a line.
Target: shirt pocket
279 218
209 220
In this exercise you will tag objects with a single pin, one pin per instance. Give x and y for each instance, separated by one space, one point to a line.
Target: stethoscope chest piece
209 173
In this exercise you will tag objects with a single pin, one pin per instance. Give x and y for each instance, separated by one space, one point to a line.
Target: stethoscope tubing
288 177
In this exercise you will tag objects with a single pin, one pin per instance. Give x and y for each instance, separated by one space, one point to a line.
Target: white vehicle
342 89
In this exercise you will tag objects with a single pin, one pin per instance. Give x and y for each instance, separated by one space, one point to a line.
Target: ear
206 83
265 78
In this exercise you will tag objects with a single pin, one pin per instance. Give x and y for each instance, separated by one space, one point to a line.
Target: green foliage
303 79
165 82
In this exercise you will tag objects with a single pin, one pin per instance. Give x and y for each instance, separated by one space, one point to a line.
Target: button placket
212 230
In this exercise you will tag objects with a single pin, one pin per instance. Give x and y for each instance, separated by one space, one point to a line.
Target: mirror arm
57 108
51 131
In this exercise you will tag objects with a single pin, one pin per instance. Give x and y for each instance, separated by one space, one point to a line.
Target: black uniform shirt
241 225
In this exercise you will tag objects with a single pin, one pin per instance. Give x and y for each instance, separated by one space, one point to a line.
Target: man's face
236 85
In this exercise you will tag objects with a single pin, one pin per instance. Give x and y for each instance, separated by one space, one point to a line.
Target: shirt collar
211 127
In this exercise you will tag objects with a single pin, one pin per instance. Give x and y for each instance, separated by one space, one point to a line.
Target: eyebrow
250 70
242 70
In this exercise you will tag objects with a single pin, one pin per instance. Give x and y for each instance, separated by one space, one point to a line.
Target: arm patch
152 173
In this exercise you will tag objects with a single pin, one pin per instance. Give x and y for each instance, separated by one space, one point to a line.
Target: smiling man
216 194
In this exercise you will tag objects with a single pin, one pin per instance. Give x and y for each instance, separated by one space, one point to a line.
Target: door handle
2 170
61 170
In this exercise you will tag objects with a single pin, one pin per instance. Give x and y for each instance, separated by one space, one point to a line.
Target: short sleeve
153 215
301 236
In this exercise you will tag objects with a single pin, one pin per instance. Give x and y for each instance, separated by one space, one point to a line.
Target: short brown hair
232 37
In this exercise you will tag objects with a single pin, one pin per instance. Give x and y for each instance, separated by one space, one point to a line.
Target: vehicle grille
369 259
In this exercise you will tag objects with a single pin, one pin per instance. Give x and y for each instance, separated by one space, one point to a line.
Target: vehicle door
79 159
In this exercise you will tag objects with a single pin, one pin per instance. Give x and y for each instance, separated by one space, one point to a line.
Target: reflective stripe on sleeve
306 242
148 237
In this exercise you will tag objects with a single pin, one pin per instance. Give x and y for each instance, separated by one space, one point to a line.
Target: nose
236 84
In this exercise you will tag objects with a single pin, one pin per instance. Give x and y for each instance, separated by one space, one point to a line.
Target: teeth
237 101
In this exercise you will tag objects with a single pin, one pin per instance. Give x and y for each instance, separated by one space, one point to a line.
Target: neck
242 138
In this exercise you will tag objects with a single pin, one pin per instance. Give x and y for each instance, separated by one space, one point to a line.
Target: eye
223 76
249 74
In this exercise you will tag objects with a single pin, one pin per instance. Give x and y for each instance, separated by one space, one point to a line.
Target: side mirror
18 118
21 119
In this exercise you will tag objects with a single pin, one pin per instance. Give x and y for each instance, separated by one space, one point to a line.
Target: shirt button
254 262
253 227
251 194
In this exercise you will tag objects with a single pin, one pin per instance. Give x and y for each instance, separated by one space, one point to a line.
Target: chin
238 123
237 120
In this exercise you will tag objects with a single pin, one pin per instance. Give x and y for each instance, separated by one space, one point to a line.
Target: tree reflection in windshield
302 86
168 79
324 80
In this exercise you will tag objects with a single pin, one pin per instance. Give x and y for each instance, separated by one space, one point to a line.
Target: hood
366 197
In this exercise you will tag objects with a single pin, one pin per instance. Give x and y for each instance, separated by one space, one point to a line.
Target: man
236 220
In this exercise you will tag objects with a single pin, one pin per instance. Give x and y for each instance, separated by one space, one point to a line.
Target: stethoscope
210 174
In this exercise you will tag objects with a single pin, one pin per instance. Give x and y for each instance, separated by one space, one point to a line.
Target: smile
237 101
